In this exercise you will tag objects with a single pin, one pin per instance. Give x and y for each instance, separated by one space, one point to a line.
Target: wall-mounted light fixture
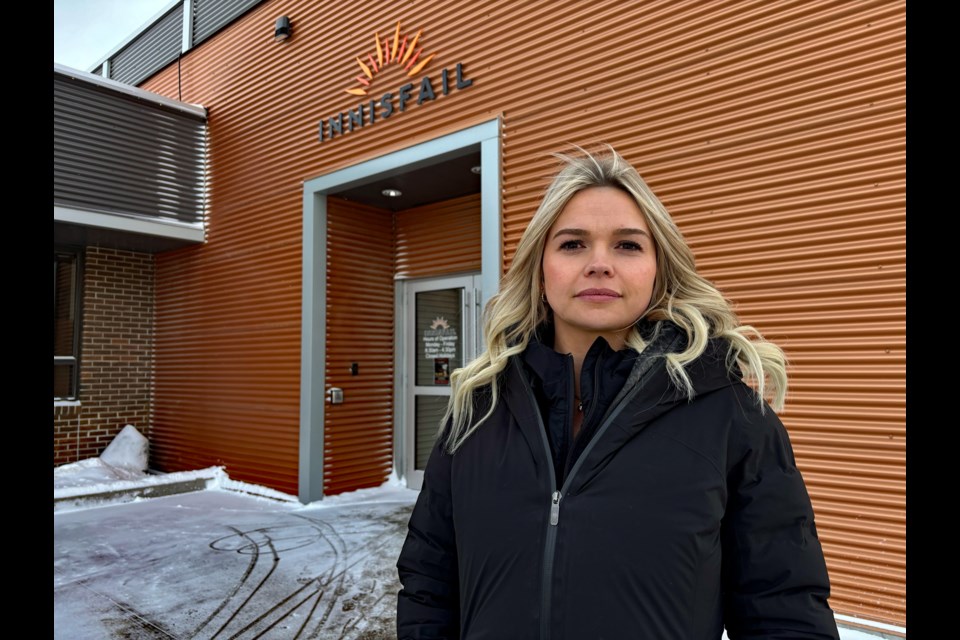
282 29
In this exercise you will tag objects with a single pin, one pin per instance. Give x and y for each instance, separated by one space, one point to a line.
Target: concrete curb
133 490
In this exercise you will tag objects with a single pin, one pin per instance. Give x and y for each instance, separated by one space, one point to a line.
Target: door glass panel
429 411
438 336
438 339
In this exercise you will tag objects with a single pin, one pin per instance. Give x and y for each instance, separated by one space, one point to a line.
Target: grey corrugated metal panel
209 16
151 51
133 35
115 153
118 90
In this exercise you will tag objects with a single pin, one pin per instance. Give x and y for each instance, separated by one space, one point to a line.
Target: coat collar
647 394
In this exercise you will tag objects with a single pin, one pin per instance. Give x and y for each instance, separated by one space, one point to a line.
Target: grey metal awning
129 166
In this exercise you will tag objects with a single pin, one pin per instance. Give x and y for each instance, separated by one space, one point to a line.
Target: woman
604 471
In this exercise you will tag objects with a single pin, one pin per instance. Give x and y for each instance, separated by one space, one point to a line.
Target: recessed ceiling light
392 193
475 169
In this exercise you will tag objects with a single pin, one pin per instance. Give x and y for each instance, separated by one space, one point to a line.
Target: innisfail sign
405 54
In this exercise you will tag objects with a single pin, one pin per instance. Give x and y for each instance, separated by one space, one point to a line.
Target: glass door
440 333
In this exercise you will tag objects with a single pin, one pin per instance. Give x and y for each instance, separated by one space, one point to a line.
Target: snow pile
124 460
393 490
129 450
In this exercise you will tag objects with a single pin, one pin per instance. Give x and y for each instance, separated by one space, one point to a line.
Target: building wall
773 132
439 239
358 434
116 355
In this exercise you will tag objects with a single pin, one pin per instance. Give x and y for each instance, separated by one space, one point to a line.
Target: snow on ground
234 560
90 473
229 563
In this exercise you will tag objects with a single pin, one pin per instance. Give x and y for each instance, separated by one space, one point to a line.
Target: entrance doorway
338 375
438 331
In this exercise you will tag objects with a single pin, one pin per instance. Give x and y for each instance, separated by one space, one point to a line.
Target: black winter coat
675 519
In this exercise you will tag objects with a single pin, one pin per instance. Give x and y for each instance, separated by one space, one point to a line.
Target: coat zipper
550 542
555 508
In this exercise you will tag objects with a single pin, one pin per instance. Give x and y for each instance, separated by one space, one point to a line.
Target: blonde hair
680 295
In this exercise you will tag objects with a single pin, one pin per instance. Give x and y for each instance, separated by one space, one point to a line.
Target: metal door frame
406 351
313 325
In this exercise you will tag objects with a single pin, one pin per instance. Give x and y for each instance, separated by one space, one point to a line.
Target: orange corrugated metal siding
358 434
774 133
225 394
439 239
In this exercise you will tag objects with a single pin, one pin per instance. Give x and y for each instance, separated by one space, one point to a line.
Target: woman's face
599 265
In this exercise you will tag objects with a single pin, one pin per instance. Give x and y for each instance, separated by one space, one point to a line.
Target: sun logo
440 323
398 53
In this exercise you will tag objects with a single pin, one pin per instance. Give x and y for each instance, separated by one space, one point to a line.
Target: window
66 323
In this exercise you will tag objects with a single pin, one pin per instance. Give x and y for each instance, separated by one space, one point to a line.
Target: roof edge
137 32
195 110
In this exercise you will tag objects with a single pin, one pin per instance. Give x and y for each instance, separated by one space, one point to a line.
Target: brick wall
116 355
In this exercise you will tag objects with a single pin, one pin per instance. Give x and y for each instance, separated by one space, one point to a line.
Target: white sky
84 31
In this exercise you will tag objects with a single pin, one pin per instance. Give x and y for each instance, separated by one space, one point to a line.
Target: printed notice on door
440 340
441 371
